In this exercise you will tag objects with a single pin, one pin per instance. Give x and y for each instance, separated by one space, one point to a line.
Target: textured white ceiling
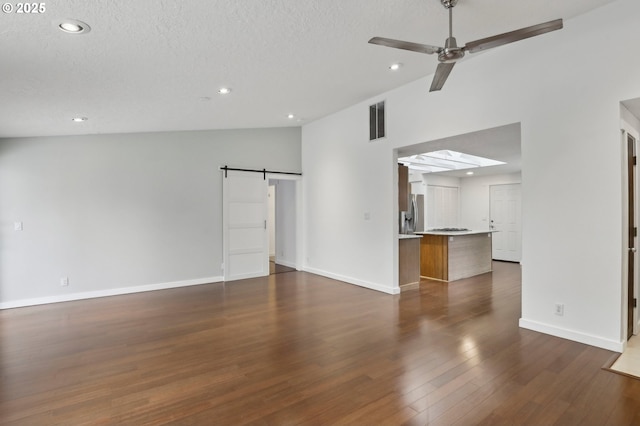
156 65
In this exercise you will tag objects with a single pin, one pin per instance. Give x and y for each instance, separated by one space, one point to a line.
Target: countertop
469 232
408 236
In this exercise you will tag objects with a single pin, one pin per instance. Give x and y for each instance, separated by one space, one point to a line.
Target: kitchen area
452 225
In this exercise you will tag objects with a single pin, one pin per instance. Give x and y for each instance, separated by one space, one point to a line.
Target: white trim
105 293
627 130
299 206
354 281
587 339
286 263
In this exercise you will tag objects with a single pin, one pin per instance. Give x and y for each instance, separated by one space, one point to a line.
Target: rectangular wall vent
376 121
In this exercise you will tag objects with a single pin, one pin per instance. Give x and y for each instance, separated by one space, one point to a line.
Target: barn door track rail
263 171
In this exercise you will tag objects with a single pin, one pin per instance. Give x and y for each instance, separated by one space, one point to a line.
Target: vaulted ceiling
157 65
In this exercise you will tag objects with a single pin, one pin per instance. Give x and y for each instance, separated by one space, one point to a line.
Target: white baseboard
576 336
354 281
105 293
286 263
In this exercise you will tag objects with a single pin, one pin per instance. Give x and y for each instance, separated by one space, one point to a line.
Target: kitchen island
449 255
409 265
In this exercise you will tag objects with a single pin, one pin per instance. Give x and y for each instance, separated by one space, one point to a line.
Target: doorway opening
630 133
281 224
470 209
632 231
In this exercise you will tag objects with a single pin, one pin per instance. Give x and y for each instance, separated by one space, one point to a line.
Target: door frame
629 241
297 179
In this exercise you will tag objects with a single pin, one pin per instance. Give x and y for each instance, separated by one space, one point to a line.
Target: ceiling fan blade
405 45
442 72
510 37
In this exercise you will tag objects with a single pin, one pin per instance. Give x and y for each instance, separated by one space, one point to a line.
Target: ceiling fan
450 53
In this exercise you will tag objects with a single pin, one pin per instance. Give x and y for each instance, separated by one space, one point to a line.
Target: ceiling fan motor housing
451 51
449 3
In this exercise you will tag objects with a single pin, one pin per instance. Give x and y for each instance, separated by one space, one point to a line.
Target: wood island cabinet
434 252
409 262
456 255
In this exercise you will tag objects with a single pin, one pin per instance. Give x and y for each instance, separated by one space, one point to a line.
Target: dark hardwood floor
296 348
276 268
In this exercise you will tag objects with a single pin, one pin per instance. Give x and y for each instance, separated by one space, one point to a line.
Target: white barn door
506 219
244 218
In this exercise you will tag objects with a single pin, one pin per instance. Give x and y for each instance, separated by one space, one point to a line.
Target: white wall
350 217
118 213
440 180
475 197
567 101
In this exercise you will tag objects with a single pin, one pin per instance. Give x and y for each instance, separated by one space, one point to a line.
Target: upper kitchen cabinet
404 189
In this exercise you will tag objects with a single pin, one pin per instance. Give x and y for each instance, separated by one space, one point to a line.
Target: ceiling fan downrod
451 52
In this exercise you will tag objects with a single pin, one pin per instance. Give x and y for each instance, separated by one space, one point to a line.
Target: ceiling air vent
376 121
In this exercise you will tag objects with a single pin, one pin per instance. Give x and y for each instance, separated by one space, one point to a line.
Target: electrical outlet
559 309
17 226
64 281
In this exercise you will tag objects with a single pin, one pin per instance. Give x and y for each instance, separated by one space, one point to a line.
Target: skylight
445 160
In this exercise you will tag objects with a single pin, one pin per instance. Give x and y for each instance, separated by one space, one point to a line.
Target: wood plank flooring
296 348
276 268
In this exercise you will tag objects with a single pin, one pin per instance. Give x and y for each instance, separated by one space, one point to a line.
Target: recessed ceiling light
79 119
395 67
224 90
469 173
291 116
72 26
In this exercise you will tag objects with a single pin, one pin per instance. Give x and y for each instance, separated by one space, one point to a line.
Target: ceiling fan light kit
451 53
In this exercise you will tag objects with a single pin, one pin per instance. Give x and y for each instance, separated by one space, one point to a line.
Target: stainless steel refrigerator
413 220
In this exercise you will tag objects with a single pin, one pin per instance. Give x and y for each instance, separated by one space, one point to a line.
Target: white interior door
505 206
246 245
